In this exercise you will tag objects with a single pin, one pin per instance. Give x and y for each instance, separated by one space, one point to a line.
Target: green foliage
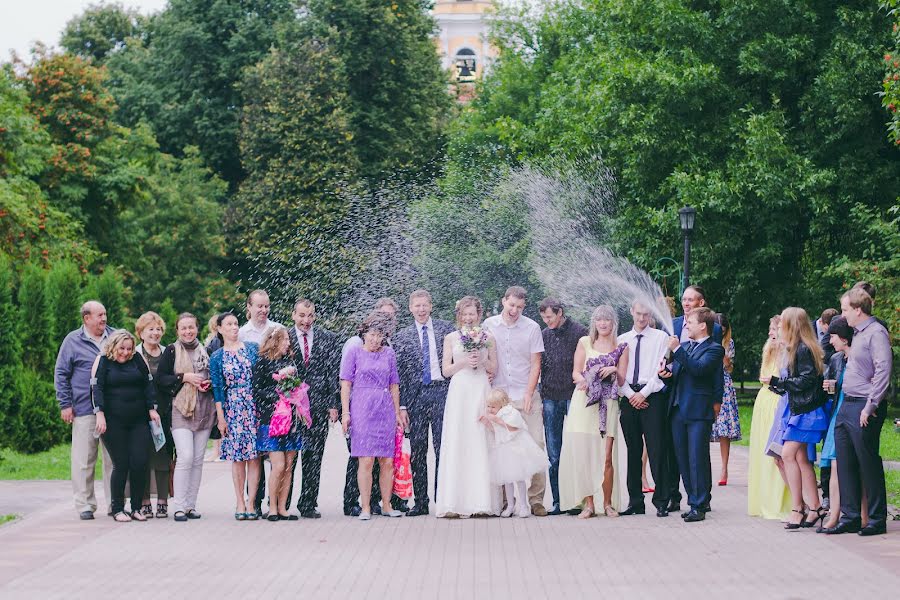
169 316
10 352
102 29
183 78
296 143
761 115
398 96
35 320
890 93
38 426
64 293
108 289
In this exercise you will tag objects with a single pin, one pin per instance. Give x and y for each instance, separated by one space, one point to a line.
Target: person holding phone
183 374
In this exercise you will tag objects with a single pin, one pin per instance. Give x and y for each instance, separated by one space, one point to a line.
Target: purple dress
373 421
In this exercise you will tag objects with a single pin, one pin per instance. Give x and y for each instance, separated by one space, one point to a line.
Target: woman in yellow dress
767 494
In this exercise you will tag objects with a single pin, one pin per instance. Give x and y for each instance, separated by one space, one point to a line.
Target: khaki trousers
84 461
535 422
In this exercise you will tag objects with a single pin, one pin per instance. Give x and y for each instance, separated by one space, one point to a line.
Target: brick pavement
50 554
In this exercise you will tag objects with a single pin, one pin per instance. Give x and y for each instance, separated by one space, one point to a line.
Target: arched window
465 65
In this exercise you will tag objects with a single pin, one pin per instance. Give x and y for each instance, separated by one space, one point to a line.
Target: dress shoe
399 504
353 511
418 510
538 510
694 515
705 508
673 506
634 509
555 511
845 527
311 514
873 530
86 515
662 512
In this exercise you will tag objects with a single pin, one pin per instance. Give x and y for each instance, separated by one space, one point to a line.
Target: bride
464 470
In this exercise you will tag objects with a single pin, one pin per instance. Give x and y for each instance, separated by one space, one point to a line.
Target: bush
109 290
38 426
64 291
35 321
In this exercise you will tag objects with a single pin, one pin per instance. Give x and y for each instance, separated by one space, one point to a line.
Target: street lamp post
687 215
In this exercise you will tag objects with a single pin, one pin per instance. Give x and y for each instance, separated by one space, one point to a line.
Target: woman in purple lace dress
588 456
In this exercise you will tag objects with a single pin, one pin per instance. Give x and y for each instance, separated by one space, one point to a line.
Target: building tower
463 40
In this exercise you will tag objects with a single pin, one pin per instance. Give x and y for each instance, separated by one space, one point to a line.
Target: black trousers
128 442
648 424
426 410
859 461
311 461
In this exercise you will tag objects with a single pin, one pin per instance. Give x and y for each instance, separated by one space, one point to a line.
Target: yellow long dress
767 495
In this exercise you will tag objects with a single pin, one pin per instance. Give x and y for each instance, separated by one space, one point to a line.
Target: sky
22 22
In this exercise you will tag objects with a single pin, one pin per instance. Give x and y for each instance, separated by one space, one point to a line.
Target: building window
465 65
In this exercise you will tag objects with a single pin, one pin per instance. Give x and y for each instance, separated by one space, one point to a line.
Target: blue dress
232 375
808 428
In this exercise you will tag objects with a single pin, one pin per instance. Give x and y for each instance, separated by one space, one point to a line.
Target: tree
297 146
35 321
183 78
108 289
169 316
399 100
10 355
101 30
64 292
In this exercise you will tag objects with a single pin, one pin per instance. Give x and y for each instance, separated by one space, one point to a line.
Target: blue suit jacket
678 325
698 380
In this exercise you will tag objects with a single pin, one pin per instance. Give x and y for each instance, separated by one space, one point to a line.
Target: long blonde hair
770 348
796 328
606 312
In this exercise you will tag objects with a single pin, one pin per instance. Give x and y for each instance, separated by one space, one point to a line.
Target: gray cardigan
72 375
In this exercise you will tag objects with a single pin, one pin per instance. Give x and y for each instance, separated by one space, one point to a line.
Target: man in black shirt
557 361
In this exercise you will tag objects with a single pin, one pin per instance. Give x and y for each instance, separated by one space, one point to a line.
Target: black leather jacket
803 383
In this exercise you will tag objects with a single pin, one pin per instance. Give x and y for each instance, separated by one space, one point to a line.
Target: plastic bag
403 486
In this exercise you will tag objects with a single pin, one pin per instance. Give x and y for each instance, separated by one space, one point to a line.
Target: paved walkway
49 553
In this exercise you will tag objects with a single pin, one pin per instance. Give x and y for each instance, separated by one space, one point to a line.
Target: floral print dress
239 407
728 423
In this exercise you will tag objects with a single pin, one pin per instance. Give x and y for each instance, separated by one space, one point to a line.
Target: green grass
6 519
892 482
53 464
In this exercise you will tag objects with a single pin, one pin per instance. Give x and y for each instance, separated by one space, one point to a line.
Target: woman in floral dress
727 427
231 371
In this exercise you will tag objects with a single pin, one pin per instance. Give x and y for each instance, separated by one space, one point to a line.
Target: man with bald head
72 379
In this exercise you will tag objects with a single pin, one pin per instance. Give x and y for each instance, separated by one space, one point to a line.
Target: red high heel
648 490
723 482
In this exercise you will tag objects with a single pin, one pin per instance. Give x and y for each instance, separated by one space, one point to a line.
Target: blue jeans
555 412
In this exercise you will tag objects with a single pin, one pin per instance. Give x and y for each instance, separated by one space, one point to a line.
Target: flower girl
514 455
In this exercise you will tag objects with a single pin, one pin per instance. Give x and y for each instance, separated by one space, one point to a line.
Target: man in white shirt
643 411
519 348
257 318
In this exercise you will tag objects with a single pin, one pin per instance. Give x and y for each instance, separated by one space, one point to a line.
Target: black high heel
795 525
821 513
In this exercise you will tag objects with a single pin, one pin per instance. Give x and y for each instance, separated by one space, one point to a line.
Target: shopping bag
403 487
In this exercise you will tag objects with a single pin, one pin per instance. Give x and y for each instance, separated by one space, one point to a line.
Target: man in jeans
857 430
560 342
72 379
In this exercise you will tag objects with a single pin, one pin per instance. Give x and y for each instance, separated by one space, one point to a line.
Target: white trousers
190 446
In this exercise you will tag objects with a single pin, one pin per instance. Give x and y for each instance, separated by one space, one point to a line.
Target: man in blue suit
696 386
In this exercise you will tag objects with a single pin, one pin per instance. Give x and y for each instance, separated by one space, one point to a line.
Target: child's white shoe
523 512
510 509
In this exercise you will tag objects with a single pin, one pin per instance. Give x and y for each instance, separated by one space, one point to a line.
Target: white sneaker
392 513
364 516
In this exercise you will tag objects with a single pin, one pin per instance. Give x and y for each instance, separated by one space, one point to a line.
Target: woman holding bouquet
276 369
588 448
470 354
370 399
231 370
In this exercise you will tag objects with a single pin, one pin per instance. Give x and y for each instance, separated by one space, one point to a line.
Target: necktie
305 351
637 359
426 356
691 347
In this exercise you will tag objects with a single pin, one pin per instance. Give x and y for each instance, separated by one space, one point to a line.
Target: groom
423 390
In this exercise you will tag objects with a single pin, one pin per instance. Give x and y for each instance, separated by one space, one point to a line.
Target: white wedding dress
464 474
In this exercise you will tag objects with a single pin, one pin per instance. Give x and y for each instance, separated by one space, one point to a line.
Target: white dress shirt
653 348
309 341
432 348
250 333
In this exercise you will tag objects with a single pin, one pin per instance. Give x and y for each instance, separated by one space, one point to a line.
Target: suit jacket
698 380
408 347
678 325
322 374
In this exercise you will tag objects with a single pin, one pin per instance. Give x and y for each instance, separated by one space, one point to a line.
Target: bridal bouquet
473 339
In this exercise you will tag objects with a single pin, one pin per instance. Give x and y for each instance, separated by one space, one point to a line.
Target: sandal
121 517
192 514
180 516
609 511
147 511
820 513
138 516
161 511
586 513
796 525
